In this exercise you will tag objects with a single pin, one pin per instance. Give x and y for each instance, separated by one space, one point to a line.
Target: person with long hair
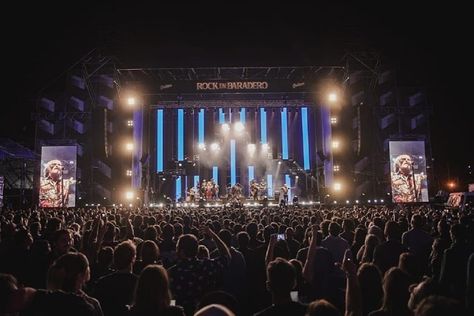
396 294
70 273
152 294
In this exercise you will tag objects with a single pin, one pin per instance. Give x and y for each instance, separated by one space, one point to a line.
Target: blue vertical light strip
196 181
251 174
215 174
201 126
233 171
178 188
284 133
180 134
263 126
288 184
159 141
242 115
304 130
269 185
221 116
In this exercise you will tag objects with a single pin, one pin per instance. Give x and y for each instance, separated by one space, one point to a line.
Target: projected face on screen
408 176
57 187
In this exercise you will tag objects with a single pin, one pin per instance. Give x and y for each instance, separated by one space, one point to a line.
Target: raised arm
353 295
270 249
221 246
309 264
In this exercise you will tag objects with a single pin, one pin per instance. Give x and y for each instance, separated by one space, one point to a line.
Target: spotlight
215 147
336 168
337 186
335 144
332 97
129 195
333 120
381 201
279 162
225 127
131 101
202 146
347 201
130 123
129 146
129 173
239 127
265 147
357 201
251 149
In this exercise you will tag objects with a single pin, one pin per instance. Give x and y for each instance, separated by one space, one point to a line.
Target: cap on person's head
214 310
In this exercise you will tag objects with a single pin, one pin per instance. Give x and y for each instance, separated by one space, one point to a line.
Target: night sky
427 44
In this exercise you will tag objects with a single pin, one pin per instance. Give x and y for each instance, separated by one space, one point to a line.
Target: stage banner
1 191
408 171
226 86
58 176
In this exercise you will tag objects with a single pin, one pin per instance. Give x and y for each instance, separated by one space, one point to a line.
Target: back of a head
458 232
187 245
105 256
395 286
439 306
281 276
416 221
226 237
124 254
334 229
392 230
214 310
152 292
243 239
322 308
64 272
150 251
252 230
8 284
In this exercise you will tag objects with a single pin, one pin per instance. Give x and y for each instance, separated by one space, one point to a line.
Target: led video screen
408 171
58 176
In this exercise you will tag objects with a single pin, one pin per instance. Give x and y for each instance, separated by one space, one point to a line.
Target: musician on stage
284 190
262 188
254 189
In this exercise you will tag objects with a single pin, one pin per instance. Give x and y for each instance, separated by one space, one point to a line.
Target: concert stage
232 125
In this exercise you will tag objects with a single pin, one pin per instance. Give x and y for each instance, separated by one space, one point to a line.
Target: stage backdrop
408 171
236 145
58 176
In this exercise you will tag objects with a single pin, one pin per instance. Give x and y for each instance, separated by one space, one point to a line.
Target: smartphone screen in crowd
281 237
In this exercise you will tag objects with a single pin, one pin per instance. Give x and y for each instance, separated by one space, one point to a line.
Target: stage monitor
58 176
408 171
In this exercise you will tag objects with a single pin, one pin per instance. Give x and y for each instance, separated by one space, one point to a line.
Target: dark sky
426 43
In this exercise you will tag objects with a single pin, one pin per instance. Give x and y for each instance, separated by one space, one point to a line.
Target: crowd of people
360 260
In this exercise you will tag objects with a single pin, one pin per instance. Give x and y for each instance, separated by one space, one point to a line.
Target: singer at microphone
54 190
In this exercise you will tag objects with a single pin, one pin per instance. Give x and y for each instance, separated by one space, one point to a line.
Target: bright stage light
202 146
129 195
332 97
215 147
251 148
336 168
382 201
265 147
451 184
337 186
357 201
335 144
129 173
129 123
225 127
239 127
129 146
131 101
347 201
333 120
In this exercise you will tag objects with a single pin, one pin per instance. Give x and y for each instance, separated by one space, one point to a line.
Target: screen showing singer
408 171
57 184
